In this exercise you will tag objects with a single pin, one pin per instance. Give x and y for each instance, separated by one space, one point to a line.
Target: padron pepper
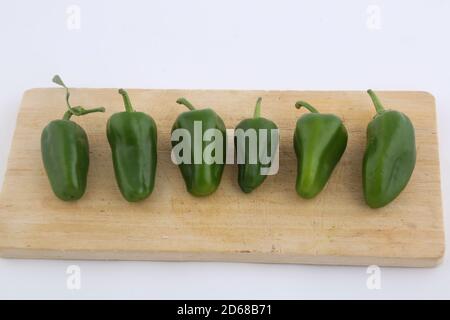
65 152
132 137
319 142
202 160
251 170
390 155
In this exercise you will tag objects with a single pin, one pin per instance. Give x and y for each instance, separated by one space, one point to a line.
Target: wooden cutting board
270 225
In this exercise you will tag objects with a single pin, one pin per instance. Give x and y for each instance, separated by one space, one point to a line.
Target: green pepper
65 152
201 173
132 137
390 155
250 167
319 142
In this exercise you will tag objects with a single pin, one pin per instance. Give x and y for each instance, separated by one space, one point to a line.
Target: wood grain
270 225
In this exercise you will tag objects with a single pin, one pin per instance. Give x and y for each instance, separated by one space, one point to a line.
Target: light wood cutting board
271 225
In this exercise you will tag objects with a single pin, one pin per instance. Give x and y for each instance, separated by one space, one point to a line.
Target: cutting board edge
234 257
381 91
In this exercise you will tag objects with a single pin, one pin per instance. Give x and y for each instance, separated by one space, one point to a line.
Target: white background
229 44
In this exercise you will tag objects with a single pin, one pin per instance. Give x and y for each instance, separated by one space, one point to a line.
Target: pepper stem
73 111
306 105
257 112
57 79
126 101
80 111
186 103
378 106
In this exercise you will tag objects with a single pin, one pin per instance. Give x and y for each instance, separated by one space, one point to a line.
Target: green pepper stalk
320 141
376 102
132 137
65 152
186 103
306 105
250 174
390 155
126 101
77 111
201 177
257 112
